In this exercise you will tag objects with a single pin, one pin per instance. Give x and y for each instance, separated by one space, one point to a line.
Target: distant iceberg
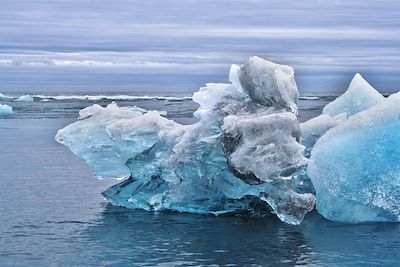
24 98
5 96
248 153
5 110
111 97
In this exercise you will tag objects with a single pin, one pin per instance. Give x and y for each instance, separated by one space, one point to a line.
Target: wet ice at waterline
248 153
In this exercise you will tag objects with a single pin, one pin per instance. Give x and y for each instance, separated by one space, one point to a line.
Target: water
52 212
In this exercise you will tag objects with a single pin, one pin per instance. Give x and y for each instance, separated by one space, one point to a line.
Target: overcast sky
178 45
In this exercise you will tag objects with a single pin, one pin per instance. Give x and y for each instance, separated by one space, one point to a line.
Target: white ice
359 96
24 98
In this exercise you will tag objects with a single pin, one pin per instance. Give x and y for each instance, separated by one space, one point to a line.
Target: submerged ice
248 153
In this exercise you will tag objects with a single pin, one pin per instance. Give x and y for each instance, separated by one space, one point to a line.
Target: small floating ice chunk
24 98
309 97
5 110
5 96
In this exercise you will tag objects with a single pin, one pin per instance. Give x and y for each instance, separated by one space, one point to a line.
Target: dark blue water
52 212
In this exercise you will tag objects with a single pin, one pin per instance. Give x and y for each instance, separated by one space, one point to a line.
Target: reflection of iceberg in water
174 239
146 239
243 155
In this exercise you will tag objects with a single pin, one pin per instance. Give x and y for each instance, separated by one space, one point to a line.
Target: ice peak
359 96
358 82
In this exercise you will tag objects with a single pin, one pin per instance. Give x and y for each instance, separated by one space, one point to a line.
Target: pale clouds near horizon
180 45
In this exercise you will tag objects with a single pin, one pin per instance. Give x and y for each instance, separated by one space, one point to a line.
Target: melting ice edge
248 153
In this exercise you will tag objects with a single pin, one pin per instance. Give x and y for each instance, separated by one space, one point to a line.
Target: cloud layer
179 45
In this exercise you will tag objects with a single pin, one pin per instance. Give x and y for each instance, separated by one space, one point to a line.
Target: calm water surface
52 212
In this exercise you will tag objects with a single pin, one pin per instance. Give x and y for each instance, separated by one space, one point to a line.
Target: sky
179 45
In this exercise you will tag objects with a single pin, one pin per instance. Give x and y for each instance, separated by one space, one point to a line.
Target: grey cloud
172 44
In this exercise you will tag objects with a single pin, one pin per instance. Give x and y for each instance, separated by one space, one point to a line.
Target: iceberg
24 98
242 156
354 167
5 110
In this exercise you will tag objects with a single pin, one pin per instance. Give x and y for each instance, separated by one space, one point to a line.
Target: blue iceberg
242 156
5 110
355 167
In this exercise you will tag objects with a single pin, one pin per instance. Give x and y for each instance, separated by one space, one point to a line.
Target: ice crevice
248 153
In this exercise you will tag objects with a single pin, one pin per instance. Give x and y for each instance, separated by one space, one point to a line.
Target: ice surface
107 137
5 110
270 84
242 156
313 129
276 155
24 98
355 166
358 97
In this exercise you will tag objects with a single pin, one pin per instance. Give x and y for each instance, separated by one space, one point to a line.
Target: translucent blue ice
359 96
242 156
355 167
354 149
5 110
